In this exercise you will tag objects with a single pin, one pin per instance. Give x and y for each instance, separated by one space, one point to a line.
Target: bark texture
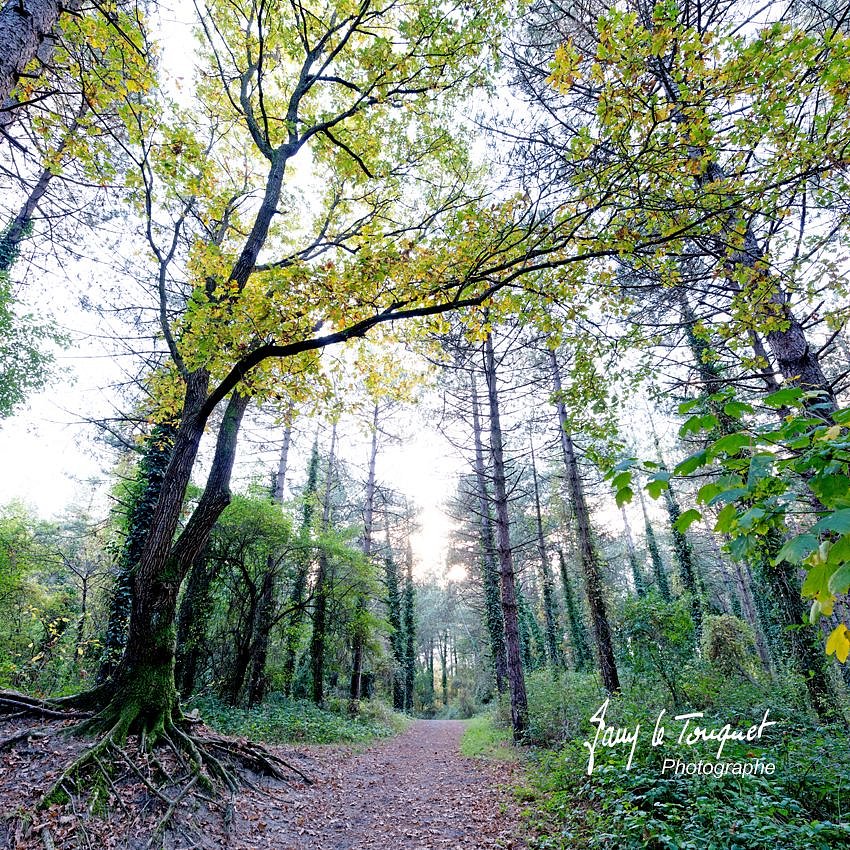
24 27
490 574
510 610
587 551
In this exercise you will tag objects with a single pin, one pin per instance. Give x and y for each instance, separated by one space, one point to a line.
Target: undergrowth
484 739
279 720
805 803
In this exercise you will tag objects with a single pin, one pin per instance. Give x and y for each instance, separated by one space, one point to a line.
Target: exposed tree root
8 743
168 758
13 704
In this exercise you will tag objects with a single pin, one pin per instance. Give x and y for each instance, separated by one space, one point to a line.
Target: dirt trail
411 792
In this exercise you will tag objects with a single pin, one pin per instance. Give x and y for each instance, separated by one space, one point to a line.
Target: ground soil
411 792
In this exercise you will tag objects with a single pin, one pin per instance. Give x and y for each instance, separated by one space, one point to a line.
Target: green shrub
558 708
279 721
804 804
661 639
728 644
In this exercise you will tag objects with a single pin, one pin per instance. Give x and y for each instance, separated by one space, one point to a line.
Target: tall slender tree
510 609
587 550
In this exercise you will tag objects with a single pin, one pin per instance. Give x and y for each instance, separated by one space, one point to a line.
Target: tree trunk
192 623
238 667
578 632
492 608
24 26
394 619
149 477
368 517
659 573
302 569
751 614
684 554
797 361
258 681
322 590
81 624
553 655
409 626
634 564
587 551
783 586
145 692
510 611
280 478
444 673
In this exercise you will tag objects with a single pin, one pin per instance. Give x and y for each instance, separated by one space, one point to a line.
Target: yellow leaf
838 643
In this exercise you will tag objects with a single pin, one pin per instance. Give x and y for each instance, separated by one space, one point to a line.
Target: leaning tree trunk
149 478
587 551
797 360
192 621
492 608
145 695
510 609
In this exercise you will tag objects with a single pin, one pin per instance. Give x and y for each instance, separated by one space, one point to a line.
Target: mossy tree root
14 704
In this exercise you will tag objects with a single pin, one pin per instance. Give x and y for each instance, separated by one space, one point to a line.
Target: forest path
411 792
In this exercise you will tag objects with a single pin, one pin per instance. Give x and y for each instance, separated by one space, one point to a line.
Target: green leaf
729 495
839 581
731 444
736 409
788 397
708 492
688 406
739 547
656 487
838 522
624 495
832 490
622 479
691 426
761 466
796 549
816 583
692 463
725 519
839 551
686 520
750 517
